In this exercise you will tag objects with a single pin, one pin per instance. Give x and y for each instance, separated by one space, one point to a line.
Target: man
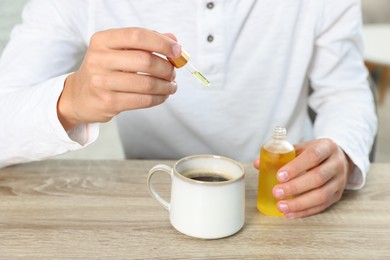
260 56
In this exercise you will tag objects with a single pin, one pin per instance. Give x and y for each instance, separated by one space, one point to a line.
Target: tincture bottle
274 154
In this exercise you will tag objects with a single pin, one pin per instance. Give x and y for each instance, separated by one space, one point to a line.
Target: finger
311 154
308 212
315 209
134 83
118 102
170 35
136 101
137 38
310 180
256 163
138 61
324 196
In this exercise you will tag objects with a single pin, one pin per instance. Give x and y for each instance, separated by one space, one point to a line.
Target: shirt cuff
357 179
84 134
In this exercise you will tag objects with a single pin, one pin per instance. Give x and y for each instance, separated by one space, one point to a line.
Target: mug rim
209 156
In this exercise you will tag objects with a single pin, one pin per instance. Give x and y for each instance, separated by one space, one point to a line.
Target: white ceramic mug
201 208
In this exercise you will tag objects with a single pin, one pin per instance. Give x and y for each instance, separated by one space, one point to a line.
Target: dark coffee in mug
207 176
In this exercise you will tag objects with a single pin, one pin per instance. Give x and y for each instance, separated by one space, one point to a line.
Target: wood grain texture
61 209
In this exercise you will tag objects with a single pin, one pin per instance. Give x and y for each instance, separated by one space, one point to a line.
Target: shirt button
210 38
210 5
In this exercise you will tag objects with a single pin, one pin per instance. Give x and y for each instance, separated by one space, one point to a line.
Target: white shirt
263 56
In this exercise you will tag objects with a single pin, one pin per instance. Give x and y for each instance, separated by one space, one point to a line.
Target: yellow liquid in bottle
270 163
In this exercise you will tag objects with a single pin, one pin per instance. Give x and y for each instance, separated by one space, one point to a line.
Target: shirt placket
211 41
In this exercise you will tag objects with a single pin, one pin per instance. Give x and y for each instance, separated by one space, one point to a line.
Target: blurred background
376 17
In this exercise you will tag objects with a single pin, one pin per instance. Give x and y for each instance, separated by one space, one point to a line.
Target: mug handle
158 168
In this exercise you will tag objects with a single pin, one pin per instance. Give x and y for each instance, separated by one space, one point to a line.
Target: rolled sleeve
342 97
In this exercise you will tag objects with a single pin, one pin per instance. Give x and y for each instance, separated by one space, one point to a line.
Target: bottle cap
279 132
181 61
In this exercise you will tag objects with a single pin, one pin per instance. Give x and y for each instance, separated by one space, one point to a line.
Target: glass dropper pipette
184 61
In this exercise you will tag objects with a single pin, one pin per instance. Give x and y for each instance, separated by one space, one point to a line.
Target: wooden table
377 54
102 210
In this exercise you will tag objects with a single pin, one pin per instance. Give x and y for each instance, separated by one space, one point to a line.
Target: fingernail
174 87
176 50
279 193
283 207
282 176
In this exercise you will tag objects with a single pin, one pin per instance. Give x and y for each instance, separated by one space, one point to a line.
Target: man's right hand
119 73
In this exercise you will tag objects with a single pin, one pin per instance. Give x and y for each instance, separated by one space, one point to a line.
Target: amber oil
274 154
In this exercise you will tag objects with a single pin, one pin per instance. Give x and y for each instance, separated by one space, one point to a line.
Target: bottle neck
279 133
